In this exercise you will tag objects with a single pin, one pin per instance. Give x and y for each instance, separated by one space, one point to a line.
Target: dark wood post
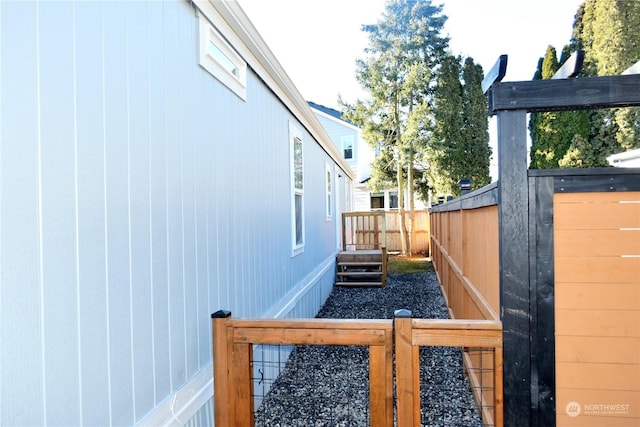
513 217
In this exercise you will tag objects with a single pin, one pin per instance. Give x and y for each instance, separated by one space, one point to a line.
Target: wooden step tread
359 273
362 263
359 284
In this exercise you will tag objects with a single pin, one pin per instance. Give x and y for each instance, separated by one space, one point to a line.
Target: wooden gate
233 341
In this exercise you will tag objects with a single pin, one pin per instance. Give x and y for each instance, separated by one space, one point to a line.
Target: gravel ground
328 385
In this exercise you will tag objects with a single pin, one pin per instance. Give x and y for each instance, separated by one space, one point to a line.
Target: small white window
221 60
328 174
297 190
347 146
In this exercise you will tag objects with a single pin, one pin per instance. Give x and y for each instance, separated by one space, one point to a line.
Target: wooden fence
233 341
576 348
420 235
465 255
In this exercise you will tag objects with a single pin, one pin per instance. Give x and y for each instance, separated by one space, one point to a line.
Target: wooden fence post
407 371
221 350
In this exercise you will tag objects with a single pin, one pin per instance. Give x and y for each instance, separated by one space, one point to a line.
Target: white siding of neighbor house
137 196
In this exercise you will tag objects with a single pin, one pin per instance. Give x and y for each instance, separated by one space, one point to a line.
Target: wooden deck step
359 284
360 264
359 273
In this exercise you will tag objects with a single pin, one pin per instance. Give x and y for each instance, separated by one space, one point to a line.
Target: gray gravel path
328 385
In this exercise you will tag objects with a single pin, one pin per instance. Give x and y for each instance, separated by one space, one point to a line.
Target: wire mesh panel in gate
454 392
316 386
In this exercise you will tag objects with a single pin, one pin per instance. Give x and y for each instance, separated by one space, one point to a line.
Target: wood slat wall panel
597 305
601 376
597 269
610 242
589 397
593 296
598 349
598 323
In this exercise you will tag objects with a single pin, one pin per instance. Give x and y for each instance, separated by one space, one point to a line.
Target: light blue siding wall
137 196
336 131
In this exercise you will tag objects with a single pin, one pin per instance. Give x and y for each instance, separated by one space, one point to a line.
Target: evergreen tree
607 31
477 156
459 145
553 132
405 48
447 146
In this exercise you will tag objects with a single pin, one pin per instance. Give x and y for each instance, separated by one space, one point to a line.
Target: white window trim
236 82
348 139
329 183
296 134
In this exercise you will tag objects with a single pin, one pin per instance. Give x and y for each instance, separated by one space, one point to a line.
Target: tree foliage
607 30
405 49
553 132
426 113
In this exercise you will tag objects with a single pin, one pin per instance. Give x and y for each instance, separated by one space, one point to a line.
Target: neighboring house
156 165
626 159
360 155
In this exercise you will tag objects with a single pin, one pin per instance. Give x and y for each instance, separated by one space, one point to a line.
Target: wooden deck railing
364 230
233 341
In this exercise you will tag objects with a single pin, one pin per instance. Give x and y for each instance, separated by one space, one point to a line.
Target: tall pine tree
477 156
405 49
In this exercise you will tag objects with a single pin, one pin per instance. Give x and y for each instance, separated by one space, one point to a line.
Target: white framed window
347 146
221 60
328 177
297 189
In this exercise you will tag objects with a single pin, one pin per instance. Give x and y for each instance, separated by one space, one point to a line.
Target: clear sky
318 41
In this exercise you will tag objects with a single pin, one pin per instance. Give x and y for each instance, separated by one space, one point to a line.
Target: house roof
329 111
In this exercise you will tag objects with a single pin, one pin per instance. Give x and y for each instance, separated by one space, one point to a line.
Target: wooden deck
363 259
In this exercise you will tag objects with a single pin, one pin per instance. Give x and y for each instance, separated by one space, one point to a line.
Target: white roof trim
625 155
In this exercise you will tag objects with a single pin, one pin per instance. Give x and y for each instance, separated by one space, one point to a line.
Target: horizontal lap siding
597 307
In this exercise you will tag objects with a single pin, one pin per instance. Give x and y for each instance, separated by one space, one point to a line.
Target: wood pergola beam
584 93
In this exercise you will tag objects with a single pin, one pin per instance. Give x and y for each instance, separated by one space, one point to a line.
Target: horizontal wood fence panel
309 336
595 421
597 269
602 376
592 296
594 216
590 397
457 337
580 349
590 198
597 307
610 242
600 323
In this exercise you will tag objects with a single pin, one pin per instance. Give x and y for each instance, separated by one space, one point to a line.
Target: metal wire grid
448 397
311 385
